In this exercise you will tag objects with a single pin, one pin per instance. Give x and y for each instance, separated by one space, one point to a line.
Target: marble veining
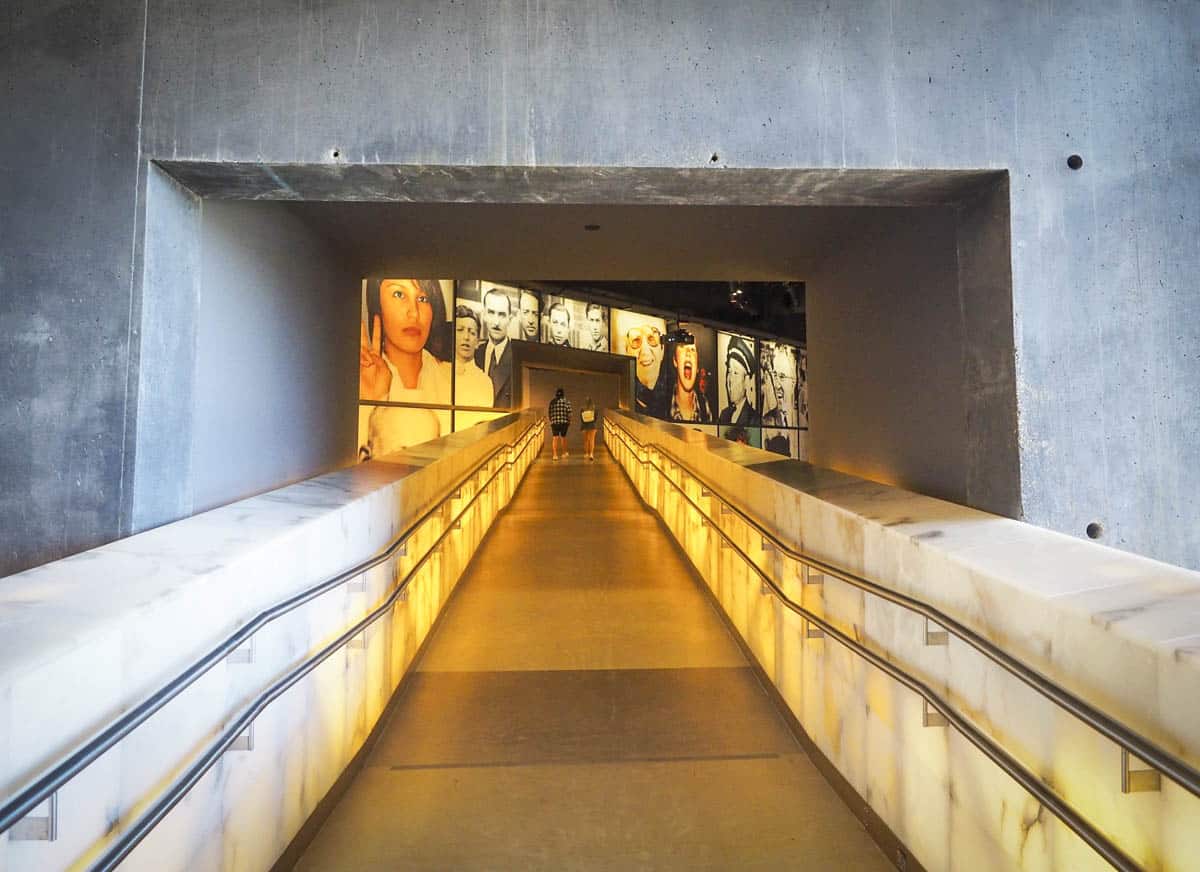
1119 630
87 636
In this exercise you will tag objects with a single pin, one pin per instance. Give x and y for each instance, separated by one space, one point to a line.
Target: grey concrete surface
886 344
248 362
170 305
69 100
380 183
276 385
1104 259
581 706
990 424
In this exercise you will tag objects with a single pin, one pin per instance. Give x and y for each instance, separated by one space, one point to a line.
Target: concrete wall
68 212
276 394
249 350
1104 259
885 350
170 302
910 342
248 355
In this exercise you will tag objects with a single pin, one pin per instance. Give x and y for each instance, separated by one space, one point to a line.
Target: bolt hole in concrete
335 154
715 157
1075 162
1095 530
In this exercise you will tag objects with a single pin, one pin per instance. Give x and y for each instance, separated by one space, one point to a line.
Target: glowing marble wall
87 636
1121 631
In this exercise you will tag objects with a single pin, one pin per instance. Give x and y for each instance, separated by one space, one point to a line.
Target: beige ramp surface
581 706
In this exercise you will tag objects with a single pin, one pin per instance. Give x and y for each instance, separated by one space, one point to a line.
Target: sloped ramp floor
582 707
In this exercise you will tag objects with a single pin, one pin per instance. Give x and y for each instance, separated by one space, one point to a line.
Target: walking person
587 423
560 420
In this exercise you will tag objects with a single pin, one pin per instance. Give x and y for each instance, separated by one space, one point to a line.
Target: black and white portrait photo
527 326
575 323
781 442
497 308
751 436
802 387
737 380
779 398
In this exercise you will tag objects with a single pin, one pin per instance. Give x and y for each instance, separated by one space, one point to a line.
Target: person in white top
471 386
394 365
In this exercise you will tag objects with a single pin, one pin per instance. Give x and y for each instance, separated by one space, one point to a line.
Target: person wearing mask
560 420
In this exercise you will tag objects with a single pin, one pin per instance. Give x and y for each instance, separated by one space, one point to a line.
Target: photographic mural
483 368
751 436
575 323
404 357
687 377
778 397
737 376
436 353
641 337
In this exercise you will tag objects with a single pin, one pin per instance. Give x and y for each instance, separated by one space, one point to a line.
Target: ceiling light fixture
739 298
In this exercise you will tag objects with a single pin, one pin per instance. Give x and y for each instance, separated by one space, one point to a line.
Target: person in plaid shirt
560 420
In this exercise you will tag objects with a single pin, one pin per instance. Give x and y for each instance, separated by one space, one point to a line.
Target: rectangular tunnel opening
251 296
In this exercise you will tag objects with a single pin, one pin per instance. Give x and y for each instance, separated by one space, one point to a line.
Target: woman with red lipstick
396 365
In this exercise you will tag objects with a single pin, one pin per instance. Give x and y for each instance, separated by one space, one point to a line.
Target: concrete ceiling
675 259
715 185
597 228
633 243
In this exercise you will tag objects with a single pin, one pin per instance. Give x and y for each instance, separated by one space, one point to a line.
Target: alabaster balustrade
1120 631
86 637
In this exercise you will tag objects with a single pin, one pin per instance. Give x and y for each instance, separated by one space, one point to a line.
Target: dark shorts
559 429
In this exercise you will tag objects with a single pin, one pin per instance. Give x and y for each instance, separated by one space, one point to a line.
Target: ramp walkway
582 706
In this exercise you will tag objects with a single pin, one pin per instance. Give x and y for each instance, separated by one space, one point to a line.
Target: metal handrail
43 786
1174 767
133 835
1071 818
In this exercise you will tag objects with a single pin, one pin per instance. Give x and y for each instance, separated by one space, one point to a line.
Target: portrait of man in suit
494 356
529 316
777 383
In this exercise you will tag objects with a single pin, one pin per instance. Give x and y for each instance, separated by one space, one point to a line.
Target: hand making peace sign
374 377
